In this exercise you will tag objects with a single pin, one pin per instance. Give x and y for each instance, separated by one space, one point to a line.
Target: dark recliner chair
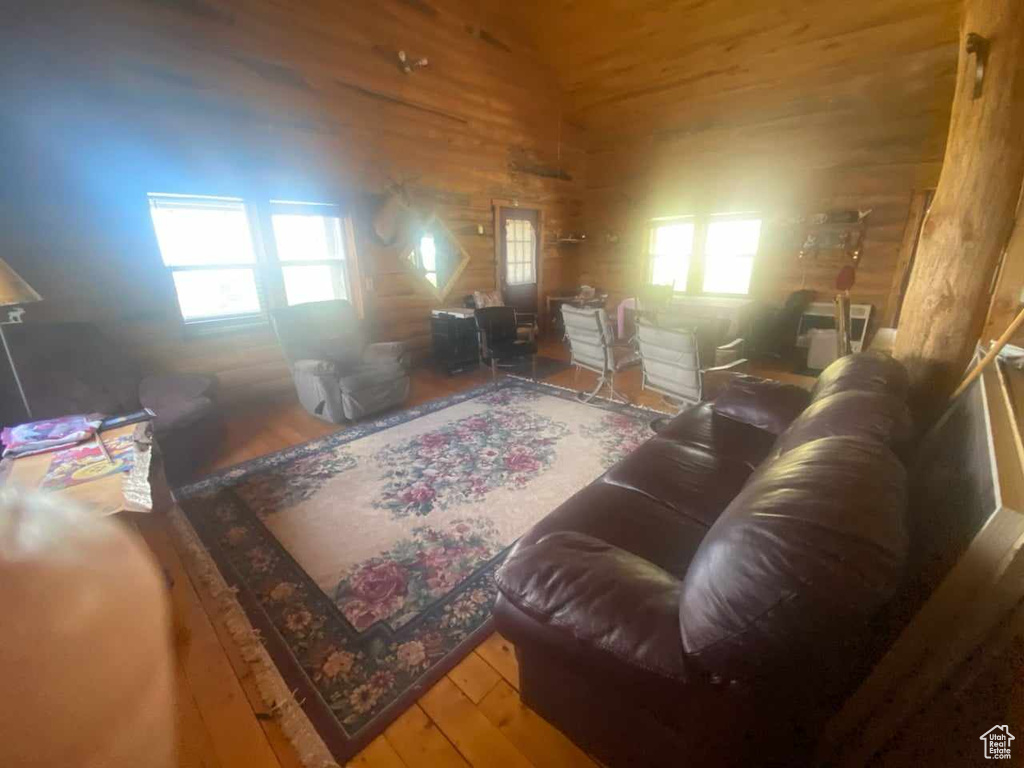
499 337
712 598
337 375
69 368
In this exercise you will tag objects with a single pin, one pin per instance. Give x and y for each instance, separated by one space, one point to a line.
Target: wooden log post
973 212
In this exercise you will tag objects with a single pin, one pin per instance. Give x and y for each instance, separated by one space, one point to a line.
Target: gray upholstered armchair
337 374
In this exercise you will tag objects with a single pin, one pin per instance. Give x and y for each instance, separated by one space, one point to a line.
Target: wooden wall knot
978 46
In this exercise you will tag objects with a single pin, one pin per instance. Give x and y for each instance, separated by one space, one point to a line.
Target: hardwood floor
472 717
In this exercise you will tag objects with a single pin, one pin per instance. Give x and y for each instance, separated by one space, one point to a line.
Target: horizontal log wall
787 108
107 101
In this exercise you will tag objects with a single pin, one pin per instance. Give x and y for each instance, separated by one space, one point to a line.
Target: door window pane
204 294
729 255
520 250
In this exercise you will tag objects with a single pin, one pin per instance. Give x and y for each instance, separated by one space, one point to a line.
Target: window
729 251
520 248
311 252
211 245
716 252
207 245
671 249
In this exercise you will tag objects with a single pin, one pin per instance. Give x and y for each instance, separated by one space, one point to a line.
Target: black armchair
499 337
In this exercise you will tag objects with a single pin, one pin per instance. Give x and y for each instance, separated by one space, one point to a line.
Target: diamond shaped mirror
434 255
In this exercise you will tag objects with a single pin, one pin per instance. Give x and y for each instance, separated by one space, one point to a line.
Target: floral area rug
366 558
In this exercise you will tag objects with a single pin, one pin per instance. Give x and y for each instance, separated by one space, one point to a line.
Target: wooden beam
972 215
919 203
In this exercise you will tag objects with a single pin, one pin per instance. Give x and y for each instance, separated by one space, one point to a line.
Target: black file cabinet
456 341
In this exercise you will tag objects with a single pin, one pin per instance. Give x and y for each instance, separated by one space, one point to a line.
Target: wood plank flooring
471 717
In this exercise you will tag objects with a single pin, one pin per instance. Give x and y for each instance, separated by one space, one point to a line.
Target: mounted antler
387 219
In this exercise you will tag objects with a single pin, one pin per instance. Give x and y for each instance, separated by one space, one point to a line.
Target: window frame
698 255
340 264
266 267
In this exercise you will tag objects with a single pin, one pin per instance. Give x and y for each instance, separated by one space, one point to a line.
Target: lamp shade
13 289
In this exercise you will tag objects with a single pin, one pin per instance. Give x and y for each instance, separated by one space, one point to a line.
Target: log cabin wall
787 108
107 101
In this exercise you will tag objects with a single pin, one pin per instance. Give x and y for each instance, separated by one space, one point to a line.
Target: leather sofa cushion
700 425
71 368
628 519
814 544
865 371
689 479
600 597
867 415
763 403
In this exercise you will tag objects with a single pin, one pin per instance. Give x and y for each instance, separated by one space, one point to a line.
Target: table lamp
14 291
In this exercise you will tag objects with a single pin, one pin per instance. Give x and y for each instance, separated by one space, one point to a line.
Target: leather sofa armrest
322 368
764 403
717 379
587 596
394 352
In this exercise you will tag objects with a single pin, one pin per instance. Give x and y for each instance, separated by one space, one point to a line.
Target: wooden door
518 263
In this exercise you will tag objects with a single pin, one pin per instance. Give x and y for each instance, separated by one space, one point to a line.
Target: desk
127 495
555 315
456 343
108 495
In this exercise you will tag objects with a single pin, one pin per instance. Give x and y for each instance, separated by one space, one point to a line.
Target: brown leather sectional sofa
712 598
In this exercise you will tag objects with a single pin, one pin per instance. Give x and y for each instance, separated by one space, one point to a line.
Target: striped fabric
671 361
589 341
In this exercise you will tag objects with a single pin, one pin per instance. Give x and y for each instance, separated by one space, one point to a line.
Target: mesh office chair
591 346
499 337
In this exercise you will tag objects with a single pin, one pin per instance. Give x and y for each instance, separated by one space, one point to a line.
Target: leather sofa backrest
71 368
865 371
814 544
320 330
764 403
497 323
854 413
